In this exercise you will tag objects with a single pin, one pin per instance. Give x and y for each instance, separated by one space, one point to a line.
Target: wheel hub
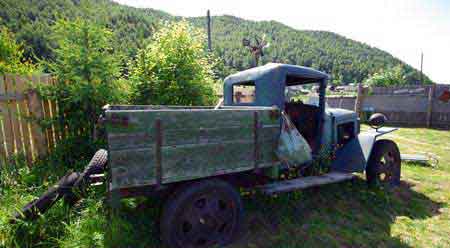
207 221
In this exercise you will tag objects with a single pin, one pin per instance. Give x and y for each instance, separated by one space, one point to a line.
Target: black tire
384 166
203 214
39 206
71 187
97 165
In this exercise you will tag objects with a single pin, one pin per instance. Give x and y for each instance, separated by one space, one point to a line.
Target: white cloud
403 28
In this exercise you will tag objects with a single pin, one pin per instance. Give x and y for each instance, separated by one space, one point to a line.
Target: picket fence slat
7 125
9 84
48 131
36 111
21 88
2 138
46 79
21 110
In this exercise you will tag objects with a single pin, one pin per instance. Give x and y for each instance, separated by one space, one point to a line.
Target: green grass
415 214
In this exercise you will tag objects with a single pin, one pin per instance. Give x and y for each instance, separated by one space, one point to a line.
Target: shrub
174 69
11 55
87 73
396 76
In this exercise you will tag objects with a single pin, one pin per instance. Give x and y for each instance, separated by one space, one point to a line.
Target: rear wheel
203 214
384 166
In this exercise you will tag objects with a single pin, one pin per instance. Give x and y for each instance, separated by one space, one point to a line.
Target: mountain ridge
347 60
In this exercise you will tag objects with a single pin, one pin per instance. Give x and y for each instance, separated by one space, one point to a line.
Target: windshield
306 94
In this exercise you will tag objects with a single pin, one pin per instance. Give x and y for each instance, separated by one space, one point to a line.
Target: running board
305 182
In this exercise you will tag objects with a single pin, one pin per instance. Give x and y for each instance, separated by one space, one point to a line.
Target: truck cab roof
270 81
295 74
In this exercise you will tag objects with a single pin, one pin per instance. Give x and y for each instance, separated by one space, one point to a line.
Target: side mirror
377 120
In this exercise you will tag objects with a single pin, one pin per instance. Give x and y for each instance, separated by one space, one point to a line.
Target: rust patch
445 97
117 120
274 114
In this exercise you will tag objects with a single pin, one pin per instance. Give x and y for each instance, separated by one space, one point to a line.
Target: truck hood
341 114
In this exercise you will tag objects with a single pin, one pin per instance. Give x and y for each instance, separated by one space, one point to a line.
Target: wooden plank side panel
195 161
202 147
176 137
21 88
132 167
200 161
138 121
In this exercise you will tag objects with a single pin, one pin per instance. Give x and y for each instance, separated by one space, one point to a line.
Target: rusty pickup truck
200 156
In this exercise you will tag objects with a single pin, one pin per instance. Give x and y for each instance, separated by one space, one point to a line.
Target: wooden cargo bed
163 144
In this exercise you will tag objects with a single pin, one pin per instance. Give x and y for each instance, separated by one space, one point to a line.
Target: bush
174 69
87 73
396 76
11 55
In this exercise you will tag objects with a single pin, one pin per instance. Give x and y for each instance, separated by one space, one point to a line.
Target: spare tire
70 187
96 166
39 206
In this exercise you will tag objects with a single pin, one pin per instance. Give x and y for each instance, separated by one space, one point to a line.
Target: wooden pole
421 68
430 104
359 100
208 26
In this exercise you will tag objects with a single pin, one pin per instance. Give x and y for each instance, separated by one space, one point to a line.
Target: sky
404 28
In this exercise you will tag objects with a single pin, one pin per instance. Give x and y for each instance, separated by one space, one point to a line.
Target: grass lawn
416 214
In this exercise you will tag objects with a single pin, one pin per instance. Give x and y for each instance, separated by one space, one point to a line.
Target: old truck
201 156
198 159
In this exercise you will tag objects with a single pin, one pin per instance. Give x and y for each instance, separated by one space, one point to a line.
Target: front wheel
203 214
384 166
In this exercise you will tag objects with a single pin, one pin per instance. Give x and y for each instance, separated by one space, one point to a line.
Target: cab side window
244 93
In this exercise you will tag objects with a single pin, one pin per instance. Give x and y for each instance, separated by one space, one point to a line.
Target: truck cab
326 130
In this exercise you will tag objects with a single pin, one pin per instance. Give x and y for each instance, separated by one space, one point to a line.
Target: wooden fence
409 106
21 110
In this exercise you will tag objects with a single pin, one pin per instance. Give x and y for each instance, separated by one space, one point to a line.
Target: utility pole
421 68
208 26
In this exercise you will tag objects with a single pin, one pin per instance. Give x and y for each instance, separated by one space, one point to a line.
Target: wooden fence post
431 91
359 100
7 123
3 113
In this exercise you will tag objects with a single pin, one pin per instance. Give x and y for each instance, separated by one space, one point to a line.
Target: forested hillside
347 60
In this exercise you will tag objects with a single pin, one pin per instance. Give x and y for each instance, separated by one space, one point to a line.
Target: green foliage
82 226
347 61
11 55
87 228
32 21
174 69
395 76
391 77
87 73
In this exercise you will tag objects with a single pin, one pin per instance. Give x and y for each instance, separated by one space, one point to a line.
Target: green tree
87 73
11 55
174 69
390 77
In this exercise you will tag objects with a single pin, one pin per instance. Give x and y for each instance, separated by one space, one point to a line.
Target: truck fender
353 157
369 138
